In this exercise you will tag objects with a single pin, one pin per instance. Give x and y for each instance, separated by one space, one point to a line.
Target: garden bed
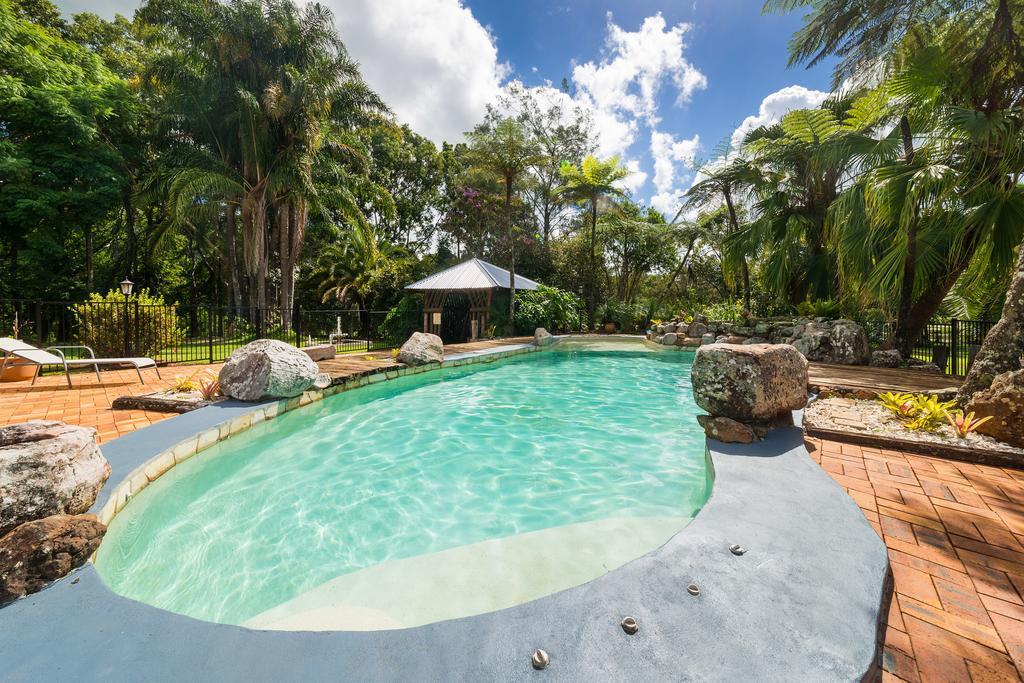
867 423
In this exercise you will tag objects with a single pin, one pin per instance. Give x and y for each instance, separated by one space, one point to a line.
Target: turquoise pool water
510 479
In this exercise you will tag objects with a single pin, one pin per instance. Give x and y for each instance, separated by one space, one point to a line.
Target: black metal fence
191 334
952 345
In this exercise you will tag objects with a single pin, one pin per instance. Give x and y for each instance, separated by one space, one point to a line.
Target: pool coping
806 601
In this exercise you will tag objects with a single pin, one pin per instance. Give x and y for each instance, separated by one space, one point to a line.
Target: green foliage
628 317
548 307
725 311
152 325
819 309
918 412
403 319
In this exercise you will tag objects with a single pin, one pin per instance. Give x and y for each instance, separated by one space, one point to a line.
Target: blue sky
666 82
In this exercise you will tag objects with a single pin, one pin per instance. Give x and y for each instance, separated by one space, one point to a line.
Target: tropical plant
505 150
963 424
930 413
727 180
903 406
209 387
184 384
548 307
352 267
589 183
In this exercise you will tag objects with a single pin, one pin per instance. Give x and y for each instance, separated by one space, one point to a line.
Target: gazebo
457 301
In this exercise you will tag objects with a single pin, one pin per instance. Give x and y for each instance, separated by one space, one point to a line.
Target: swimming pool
429 497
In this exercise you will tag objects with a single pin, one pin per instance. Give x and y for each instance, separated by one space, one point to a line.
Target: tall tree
505 150
726 180
589 183
563 131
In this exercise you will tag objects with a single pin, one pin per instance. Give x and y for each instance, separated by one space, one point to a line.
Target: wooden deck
879 379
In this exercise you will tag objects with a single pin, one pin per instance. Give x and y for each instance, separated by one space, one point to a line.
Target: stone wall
841 342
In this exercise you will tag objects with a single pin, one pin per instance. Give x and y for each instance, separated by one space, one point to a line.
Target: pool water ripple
410 467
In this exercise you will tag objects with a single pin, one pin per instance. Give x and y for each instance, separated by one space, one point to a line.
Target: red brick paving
88 402
955 534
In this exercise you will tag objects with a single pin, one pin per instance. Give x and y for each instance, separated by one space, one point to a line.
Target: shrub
724 311
628 317
402 320
152 324
819 309
548 307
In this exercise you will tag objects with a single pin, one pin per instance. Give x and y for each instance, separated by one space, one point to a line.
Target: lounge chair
26 354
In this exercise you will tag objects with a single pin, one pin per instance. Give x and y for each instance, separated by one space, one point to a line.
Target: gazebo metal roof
471 274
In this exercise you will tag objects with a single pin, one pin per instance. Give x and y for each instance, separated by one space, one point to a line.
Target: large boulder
749 383
268 368
541 337
669 339
886 358
421 349
48 468
38 552
840 342
697 329
1004 401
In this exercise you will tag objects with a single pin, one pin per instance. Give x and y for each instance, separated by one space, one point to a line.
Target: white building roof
472 274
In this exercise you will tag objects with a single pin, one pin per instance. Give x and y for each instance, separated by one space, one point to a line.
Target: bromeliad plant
930 413
965 424
209 387
917 411
903 406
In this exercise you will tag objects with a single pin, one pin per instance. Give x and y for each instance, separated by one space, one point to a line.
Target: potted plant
15 370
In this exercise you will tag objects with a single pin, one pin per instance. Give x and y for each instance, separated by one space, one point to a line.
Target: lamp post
126 290
579 290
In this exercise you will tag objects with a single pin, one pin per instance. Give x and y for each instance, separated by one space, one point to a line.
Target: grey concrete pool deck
805 602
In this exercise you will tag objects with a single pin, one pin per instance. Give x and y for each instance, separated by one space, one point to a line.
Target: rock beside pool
757 384
1004 401
542 337
421 349
887 358
38 552
268 368
669 339
726 429
840 342
48 468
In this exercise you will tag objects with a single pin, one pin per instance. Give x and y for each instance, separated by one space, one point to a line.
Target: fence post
209 330
297 324
39 324
954 351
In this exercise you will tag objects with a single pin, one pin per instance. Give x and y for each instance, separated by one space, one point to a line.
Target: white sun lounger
26 354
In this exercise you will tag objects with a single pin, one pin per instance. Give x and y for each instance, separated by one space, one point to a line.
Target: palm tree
267 93
726 180
351 267
797 168
590 182
505 150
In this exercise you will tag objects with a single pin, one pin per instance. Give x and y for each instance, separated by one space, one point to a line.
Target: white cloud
777 105
620 91
668 153
636 178
636 65
434 64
